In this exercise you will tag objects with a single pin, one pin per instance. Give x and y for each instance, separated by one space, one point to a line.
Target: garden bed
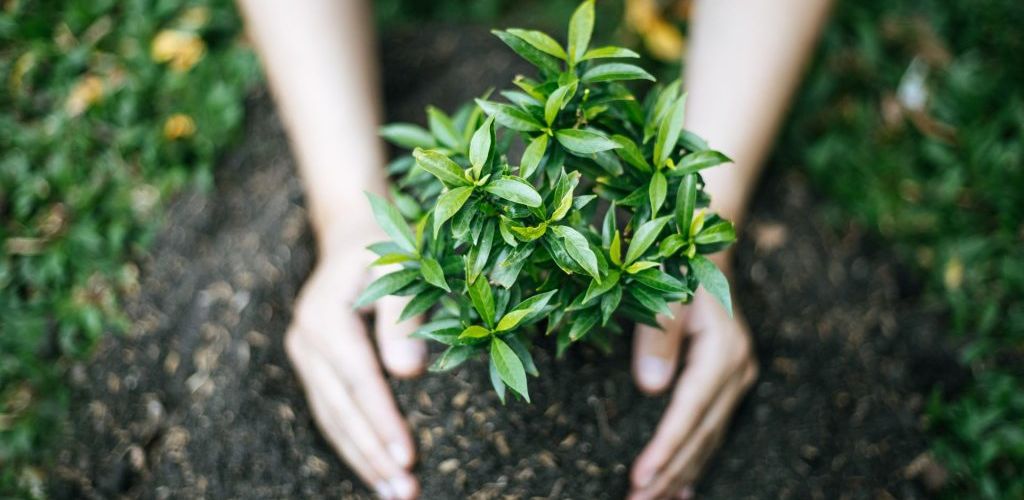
200 398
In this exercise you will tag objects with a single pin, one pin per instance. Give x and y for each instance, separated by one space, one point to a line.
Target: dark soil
200 400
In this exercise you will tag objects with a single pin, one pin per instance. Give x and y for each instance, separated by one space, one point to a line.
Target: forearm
745 60
319 58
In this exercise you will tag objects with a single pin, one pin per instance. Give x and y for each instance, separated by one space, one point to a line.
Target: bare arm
746 59
320 60
319 57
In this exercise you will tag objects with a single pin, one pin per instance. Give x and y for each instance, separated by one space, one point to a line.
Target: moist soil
199 399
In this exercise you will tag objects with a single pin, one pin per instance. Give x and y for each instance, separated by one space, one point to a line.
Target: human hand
328 344
720 367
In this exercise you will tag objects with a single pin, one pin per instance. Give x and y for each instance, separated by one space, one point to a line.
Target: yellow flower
953 275
85 93
660 36
182 49
179 126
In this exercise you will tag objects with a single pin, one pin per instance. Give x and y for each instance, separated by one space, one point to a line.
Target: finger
402 356
690 400
683 468
353 360
336 417
349 422
656 352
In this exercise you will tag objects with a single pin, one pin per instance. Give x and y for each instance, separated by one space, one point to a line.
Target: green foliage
515 245
107 108
912 122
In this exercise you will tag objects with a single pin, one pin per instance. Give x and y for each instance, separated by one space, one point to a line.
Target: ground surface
200 399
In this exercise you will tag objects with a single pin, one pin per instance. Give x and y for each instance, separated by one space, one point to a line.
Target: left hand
720 367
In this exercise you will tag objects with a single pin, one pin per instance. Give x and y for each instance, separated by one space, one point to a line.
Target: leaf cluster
603 215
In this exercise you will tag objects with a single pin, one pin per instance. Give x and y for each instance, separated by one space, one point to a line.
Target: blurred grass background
910 123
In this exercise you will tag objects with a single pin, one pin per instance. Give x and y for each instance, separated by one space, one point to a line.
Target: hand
328 344
720 367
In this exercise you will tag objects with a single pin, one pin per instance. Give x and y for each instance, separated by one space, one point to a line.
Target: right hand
330 348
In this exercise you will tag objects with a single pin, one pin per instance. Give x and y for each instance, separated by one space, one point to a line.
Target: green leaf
583 322
407 135
640 265
584 142
645 236
510 117
660 280
692 142
386 285
449 204
529 233
545 62
609 303
433 273
608 52
649 300
540 41
533 155
483 300
514 189
612 72
445 331
392 258
609 225
391 221
577 246
668 131
581 26
631 153
525 308
453 357
686 201
506 233
598 288
421 303
443 128
509 367
496 383
557 101
563 195
657 191
476 258
695 162
440 166
670 245
720 232
524 354
480 146
712 279
615 249
662 105
474 332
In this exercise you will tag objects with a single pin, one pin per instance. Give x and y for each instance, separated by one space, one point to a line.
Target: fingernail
653 371
384 489
401 453
403 487
686 493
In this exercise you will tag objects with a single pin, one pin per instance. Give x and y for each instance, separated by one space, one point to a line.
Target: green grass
950 197
85 164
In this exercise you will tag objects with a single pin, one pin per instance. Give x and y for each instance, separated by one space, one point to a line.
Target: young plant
603 215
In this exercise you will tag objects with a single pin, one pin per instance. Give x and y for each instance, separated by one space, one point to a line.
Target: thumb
656 351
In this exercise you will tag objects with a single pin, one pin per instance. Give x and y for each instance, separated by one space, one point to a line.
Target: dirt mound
200 399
